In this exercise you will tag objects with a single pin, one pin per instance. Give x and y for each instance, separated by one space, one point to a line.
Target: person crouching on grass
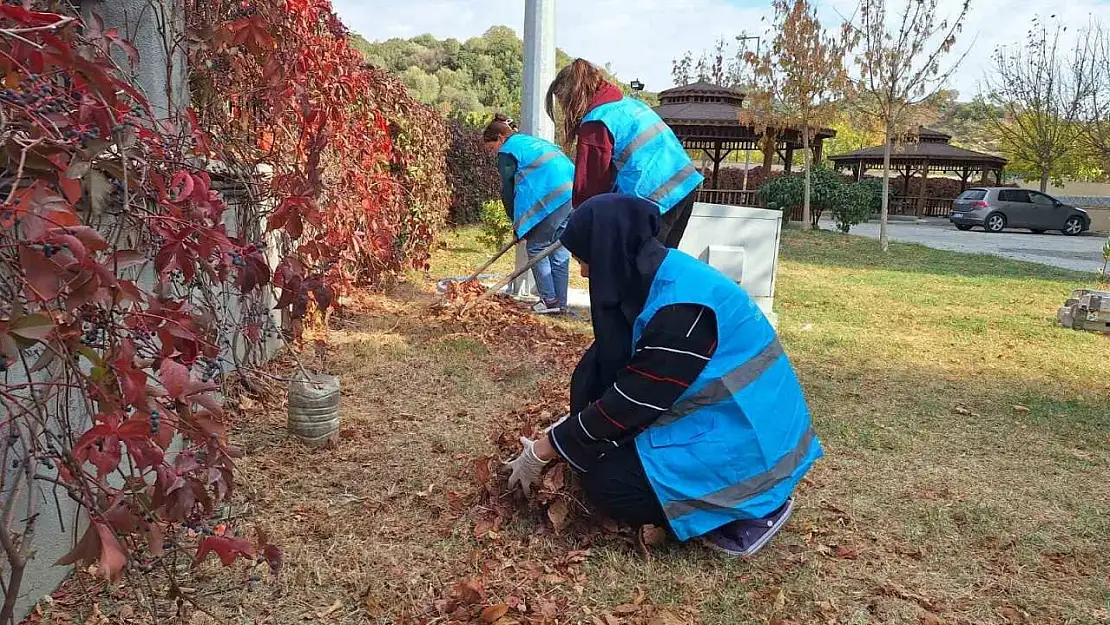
623 146
685 412
536 184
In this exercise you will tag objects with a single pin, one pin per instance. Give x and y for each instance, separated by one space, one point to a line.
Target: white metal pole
539 71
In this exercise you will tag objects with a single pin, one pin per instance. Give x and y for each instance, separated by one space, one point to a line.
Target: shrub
472 176
497 230
853 204
787 193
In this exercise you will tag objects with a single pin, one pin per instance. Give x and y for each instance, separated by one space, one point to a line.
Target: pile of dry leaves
498 320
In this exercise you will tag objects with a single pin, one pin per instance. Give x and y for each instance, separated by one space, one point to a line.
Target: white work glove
556 424
526 469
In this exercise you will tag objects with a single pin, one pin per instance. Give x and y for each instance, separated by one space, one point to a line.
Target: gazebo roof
706 112
931 149
701 103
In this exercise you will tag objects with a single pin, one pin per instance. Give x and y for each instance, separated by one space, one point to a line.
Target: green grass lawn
967 440
967 444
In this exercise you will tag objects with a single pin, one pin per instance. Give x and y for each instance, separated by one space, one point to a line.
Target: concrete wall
1100 218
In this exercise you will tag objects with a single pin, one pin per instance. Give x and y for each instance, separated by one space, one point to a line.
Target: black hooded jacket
618 388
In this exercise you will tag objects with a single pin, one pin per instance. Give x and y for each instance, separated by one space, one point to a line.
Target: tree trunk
884 237
1044 181
807 221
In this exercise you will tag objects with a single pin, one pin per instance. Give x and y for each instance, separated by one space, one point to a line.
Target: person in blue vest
623 146
685 412
536 186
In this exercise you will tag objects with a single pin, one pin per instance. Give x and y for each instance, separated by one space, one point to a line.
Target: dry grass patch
967 444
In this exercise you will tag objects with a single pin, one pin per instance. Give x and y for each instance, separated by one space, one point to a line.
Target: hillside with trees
466 81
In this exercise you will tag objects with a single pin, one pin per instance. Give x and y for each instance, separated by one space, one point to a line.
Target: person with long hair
685 413
623 147
536 187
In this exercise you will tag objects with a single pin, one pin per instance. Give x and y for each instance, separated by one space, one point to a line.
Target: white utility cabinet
740 242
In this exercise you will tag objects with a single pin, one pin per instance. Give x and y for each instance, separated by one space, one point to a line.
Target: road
1081 253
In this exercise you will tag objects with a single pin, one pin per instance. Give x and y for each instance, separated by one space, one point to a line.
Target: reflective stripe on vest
650 160
543 183
544 206
724 387
731 496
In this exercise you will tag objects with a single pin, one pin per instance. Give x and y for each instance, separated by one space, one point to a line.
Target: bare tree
682 69
810 63
900 63
1038 96
1093 52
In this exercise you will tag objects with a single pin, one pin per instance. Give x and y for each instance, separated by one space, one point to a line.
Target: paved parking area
1081 253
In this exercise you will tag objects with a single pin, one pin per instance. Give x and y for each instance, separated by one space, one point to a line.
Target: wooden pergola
706 117
923 152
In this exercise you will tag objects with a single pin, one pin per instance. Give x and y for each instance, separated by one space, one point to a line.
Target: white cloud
641 37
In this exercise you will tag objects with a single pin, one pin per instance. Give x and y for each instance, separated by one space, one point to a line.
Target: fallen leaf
558 512
332 609
653 536
468 592
664 617
482 527
846 553
549 609
928 618
611 620
493 613
482 471
1011 615
626 609
1021 409
780 603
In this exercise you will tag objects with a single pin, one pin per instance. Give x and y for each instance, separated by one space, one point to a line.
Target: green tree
476 78
1038 97
811 63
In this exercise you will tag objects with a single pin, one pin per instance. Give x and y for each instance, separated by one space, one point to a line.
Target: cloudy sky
641 37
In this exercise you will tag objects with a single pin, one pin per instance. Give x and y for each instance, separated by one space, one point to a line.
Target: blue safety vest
739 440
544 180
650 160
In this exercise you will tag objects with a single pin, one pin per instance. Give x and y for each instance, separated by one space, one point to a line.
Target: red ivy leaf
227 549
43 279
183 183
98 544
174 376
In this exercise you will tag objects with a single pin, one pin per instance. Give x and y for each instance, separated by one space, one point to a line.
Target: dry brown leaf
332 609
780 603
626 609
549 609
468 592
482 471
493 613
558 512
846 553
653 536
1011 615
96 617
663 617
611 620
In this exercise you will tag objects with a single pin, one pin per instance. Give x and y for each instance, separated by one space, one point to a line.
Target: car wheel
963 227
996 222
1035 231
1073 226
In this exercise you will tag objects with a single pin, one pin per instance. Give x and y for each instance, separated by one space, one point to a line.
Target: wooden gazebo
920 153
706 117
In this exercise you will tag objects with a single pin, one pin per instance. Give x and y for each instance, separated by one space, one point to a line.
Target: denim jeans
552 274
